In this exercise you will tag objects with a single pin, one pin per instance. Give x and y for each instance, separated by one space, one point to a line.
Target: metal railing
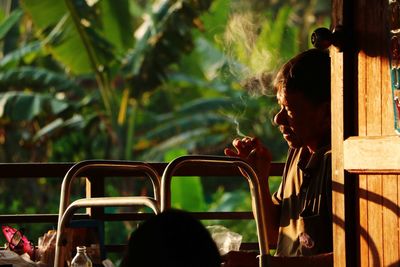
96 188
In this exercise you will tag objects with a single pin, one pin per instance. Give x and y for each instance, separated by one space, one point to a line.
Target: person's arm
259 158
250 259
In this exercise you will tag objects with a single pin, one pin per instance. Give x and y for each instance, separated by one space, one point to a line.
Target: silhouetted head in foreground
171 239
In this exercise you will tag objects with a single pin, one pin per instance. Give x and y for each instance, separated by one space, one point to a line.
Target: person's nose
280 117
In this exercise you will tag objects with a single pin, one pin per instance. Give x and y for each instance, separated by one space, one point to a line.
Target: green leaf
117 23
47 14
59 124
72 40
215 20
188 123
9 22
200 106
276 34
25 54
160 43
24 106
189 140
37 78
212 58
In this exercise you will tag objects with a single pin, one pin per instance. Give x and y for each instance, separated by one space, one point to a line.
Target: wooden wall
379 195
369 150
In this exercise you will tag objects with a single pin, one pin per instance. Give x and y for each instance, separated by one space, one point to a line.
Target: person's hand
253 152
240 259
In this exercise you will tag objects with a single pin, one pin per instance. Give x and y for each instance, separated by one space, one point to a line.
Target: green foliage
16 106
160 43
9 22
38 79
24 54
238 200
142 80
186 192
215 20
72 40
117 24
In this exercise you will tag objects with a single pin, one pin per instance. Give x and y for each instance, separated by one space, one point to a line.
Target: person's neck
315 147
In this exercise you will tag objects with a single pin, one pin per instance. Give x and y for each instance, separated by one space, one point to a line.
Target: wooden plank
387 100
338 204
379 194
390 182
390 220
374 128
398 213
362 99
373 97
372 154
374 182
375 220
363 221
362 131
368 27
337 12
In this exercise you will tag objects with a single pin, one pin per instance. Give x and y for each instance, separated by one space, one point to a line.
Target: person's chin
293 143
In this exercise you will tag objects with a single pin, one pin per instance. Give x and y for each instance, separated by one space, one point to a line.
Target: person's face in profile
301 122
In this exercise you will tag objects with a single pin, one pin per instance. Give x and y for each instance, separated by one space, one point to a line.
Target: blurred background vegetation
142 80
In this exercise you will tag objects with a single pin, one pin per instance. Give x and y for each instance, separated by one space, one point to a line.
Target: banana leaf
188 123
24 54
69 32
199 139
36 78
58 125
200 106
159 42
9 22
24 106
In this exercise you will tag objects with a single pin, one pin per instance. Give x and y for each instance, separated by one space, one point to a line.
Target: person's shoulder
325 152
328 153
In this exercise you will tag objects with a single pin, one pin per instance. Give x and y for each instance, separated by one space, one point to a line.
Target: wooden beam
372 154
338 200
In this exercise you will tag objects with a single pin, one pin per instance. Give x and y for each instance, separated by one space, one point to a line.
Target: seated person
171 239
299 213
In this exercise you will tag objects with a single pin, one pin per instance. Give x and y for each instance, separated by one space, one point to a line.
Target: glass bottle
81 259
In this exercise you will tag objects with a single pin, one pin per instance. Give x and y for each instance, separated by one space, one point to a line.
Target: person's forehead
285 98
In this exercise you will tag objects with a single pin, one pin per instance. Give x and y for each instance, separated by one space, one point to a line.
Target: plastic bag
8 257
46 249
18 242
225 239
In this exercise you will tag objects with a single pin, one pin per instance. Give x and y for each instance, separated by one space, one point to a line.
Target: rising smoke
247 58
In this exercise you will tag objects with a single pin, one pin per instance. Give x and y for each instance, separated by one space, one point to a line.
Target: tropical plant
83 79
86 57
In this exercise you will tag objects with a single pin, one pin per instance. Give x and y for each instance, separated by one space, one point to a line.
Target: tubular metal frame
61 240
256 190
66 210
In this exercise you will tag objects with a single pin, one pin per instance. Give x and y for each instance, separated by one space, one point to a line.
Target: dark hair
309 73
171 239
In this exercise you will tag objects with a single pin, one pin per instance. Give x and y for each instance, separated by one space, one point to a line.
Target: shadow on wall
378 199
